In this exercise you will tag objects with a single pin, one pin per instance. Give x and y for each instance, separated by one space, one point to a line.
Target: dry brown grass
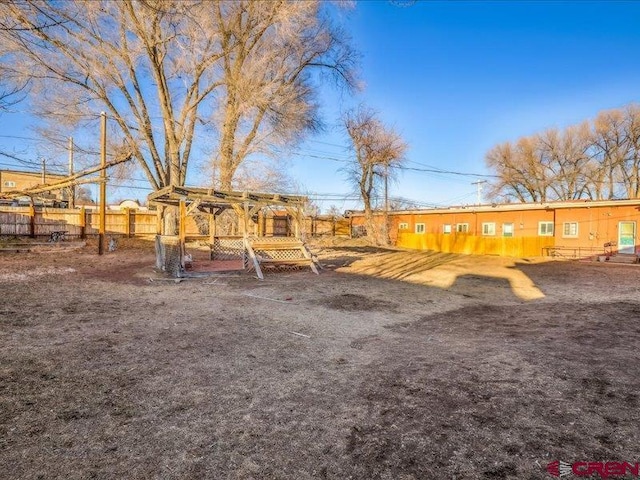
104 374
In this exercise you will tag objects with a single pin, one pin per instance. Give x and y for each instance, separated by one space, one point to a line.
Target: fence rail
574 252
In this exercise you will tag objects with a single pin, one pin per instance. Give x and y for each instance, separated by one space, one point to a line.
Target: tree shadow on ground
402 262
443 270
335 257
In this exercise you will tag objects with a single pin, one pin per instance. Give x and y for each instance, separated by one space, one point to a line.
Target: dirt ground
388 365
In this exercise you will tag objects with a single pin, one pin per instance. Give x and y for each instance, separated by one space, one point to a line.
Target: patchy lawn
389 365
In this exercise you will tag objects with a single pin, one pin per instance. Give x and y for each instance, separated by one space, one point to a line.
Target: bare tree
150 68
564 154
520 170
83 196
12 88
272 54
399 203
610 149
162 69
630 168
595 160
334 212
377 150
263 175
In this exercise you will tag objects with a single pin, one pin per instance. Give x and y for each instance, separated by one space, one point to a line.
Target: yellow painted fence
476 245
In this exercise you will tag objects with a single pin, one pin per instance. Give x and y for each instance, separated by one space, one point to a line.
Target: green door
627 237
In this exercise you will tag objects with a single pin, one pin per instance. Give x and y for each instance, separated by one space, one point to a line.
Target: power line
447 172
18 137
404 167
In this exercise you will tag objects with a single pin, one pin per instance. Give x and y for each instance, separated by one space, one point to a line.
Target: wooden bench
259 250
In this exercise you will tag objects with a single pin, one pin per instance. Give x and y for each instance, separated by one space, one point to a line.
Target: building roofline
10 170
510 207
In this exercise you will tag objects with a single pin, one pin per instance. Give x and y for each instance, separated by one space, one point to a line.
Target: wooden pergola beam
172 196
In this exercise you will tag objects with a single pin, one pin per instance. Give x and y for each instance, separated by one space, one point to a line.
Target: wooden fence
321 226
36 222
41 222
477 245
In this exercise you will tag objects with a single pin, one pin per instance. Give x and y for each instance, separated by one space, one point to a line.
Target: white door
627 237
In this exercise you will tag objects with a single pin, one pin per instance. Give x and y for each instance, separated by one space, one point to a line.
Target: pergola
214 202
246 205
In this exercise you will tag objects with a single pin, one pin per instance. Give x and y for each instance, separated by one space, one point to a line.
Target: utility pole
103 182
479 184
72 188
386 203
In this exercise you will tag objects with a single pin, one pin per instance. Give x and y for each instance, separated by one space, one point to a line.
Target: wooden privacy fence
40 222
36 222
477 245
320 226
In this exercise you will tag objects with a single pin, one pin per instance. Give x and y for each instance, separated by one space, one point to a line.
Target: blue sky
455 79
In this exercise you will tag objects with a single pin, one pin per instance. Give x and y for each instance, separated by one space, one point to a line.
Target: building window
570 229
403 226
545 229
488 228
462 227
507 229
446 228
10 184
419 227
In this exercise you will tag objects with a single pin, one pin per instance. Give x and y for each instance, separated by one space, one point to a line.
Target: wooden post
103 182
245 219
72 189
32 221
212 225
294 213
212 232
182 230
386 206
264 224
83 222
127 219
182 226
159 219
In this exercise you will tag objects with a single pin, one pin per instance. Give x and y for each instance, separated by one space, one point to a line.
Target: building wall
525 223
581 230
24 180
595 225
